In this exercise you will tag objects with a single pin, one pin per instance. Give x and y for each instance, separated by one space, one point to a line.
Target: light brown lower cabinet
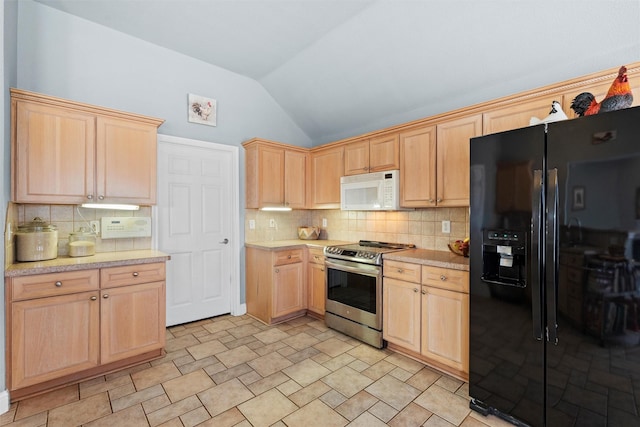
66 327
316 282
275 284
426 314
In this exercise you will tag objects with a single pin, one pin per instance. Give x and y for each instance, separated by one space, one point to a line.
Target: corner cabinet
65 152
68 326
275 284
276 175
426 314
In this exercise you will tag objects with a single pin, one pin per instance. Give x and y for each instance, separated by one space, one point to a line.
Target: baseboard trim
4 401
239 310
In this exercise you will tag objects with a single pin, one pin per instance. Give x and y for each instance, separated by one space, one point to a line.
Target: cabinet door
132 320
317 287
418 168
452 168
53 154
401 313
288 289
518 115
445 327
295 179
327 166
53 337
126 161
356 157
384 153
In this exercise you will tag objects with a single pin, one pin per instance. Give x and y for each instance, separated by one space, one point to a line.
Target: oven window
352 289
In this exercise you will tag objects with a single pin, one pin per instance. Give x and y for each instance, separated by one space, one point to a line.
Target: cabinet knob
93 298
105 296
58 283
100 197
289 257
424 292
438 200
317 258
135 274
277 270
322 269
443 277
400 270
430 200
90 196
415 290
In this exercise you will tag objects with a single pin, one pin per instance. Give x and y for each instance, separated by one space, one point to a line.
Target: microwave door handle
536 224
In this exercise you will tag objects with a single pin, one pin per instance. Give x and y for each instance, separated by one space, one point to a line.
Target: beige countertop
99 260
285 244
430 258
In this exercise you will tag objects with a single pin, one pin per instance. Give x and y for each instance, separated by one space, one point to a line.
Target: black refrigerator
554 272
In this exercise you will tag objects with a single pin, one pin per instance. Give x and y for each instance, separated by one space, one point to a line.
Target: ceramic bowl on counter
308 233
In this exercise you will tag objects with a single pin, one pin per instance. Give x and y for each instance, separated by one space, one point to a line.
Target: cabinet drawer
288 256
402 271
444 278
112 277
316 256
44 285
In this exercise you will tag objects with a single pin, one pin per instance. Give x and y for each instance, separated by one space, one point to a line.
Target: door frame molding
237 309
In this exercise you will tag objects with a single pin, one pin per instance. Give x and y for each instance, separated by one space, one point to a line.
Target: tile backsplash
421 227
69 218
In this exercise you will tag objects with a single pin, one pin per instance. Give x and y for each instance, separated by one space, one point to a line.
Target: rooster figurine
556 114
618 97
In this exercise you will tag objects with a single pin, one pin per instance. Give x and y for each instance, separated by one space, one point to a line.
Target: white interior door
197 225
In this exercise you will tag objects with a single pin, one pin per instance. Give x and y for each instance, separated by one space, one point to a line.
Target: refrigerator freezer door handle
536 222
551 260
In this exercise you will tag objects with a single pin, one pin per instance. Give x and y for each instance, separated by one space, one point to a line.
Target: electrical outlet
272 223
324 222
252 224
95 226
446 227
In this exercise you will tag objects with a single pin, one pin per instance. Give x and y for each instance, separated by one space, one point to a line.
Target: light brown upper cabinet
417 167
452 162
372 155
64 152
275 175
518 114
327 166
434 163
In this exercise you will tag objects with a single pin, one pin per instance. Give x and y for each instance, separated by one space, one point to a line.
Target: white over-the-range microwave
378 191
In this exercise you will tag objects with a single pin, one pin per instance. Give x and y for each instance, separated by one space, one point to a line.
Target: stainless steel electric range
354 288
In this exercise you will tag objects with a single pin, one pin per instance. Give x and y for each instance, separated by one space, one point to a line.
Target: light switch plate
252 224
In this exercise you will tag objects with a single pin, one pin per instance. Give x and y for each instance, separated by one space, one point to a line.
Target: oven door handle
366 269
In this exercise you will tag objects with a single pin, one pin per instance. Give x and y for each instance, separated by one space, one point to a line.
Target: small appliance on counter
36 241
82 243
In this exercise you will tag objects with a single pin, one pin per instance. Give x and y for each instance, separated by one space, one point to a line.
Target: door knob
225 241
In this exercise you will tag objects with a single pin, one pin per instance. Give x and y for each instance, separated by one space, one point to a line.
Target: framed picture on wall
202 110
578 199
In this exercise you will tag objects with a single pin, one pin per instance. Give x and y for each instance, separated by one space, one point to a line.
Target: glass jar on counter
82 243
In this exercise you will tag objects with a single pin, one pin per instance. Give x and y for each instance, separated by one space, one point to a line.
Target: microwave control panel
125 227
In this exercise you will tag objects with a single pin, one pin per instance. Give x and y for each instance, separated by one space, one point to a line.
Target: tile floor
235 371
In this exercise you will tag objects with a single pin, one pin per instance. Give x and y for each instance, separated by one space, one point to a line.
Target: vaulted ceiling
344 67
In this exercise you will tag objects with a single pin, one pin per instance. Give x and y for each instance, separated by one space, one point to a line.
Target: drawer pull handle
58 283
135 274
400 270
93 298
317 258
105 296
443 277
289 257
